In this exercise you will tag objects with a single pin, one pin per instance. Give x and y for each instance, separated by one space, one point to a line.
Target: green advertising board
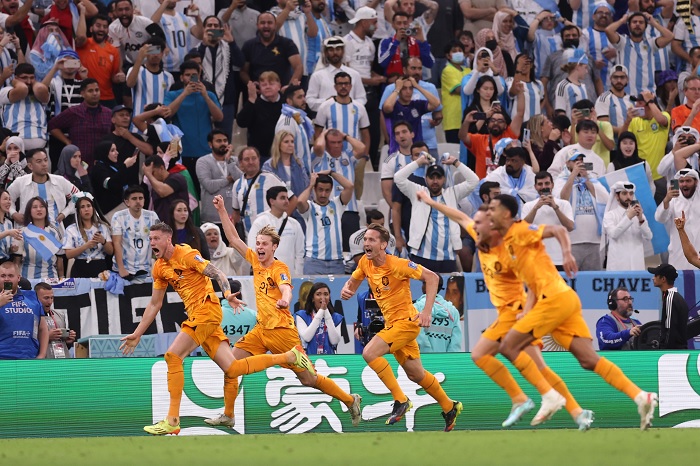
70 398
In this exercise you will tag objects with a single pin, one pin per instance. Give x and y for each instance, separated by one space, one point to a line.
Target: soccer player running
557 307
389 279
508 296
190 275
275 329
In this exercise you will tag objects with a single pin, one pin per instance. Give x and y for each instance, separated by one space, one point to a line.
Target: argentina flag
637 175
45 243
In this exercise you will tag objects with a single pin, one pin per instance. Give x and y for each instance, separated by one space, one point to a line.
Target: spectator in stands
612 105
425 20
88 240
71 167
544 139
586 135
216 172
237 323
318 324
688 114
261 112
544 38
313 54
444 334
269 51
101 58
148 79
667 90
292 245
401 207
85 124
502 62
485 100
184 230
295 21
515 176
241 20
23 331
48 43
674 309
374 217
603 52
692 70
178 35
226 259
451 81
584 109
165 186
625 229
572 89
56 324
324 251
685 33
9 58
532 87
627 155
683 154
435 250
56 190
7 230
130 227
19 20
587 198
403 135
38 255
221 62
390 53
686 200
127 142
295 121
24 107
63 82
110 176
615 331
15 161
549 210
66 14
322 82
284 163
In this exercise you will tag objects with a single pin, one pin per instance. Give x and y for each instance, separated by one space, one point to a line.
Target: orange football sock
528 369
434 389
500 374
615 377
253 364
558 384
329 387
230 394
176 382
386 375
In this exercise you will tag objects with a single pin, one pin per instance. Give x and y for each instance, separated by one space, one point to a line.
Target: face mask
491 44
570 43
458 57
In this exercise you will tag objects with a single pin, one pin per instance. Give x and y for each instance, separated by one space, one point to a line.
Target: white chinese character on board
373 385
302 408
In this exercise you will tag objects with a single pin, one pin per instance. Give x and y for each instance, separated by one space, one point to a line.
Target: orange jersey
390 285
503 285
531 262
183 271
102 62
267 292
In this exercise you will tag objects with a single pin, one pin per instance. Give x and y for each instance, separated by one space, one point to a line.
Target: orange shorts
507 317
276 341
559 315
401 337
204 327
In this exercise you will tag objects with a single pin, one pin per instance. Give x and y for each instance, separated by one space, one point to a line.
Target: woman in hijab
110 177
503 25
487 38
49 42
14 161
72 168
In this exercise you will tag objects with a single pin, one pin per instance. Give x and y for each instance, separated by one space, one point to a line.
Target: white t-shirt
547 216
130 39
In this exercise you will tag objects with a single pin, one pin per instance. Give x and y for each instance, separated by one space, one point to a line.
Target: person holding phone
148 79
60 336
625 229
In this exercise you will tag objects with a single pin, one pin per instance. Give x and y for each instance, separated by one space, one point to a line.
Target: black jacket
674 320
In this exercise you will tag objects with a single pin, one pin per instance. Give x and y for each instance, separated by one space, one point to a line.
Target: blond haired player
557 307
389 279
508 297
275 329
190 275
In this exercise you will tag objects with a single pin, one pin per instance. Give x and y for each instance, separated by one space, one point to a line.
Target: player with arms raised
190 276
275 329
389 279
557 307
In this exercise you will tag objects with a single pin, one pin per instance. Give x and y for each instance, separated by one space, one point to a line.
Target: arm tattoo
212 272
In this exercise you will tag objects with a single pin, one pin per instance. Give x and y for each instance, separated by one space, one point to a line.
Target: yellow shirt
530 260
183 271
450 80
651 141
267 292
504 286
390 285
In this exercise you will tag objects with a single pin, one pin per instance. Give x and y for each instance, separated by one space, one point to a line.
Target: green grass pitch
537 447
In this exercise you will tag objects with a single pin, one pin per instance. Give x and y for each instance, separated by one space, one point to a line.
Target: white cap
364 12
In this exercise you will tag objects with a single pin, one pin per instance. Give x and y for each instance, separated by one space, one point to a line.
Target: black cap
6 133
434 170
664 270
119 108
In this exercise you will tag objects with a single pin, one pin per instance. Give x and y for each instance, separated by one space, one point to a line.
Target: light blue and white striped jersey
392 164
295 29
6 242
546 43
136 245
348 118
614 107
150 88
662 57
689 39
567 94
324 238
5 61
436 241
345 165
534 94
583 16
302 145
256 200
178 39
74 240
639 60
33 265
597 42
313 44
26 117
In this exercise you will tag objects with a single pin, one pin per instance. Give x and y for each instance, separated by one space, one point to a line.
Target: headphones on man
612 302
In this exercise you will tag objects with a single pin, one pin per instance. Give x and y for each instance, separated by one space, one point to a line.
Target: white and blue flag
44 242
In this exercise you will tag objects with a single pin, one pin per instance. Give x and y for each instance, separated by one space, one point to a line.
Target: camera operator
370 320
625 229
617 330
444 334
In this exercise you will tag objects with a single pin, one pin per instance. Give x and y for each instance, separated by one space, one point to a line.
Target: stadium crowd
119 115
